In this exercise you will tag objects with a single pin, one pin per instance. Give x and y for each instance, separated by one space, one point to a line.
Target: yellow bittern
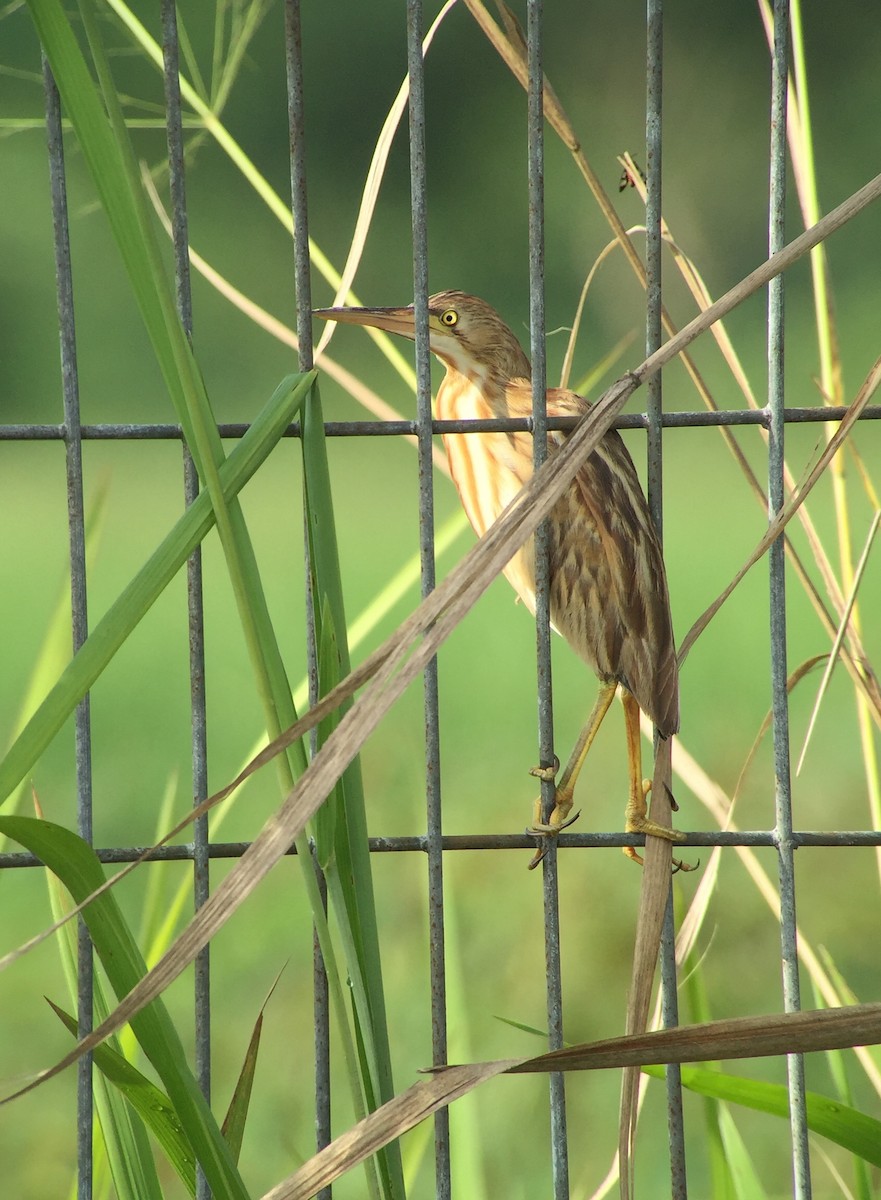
608 587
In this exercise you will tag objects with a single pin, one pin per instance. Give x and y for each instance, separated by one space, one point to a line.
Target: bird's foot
546 774
555 824
637 820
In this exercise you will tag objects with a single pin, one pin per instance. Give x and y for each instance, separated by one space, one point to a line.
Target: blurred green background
715 169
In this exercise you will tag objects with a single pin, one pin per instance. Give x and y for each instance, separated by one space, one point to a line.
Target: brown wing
609 594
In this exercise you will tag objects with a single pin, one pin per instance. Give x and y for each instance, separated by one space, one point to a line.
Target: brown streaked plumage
608 587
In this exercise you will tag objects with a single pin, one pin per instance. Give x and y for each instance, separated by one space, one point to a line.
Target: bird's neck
471 396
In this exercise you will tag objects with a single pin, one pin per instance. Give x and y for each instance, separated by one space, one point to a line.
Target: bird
607 582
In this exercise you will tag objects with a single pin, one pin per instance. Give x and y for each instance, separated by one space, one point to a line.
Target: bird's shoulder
564 403
561 402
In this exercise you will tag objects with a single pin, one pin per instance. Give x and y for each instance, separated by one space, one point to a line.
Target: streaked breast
489 469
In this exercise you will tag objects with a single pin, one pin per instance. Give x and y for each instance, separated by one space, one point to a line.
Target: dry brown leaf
742 1037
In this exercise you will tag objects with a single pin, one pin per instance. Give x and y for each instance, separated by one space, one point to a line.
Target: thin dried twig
779 522
839 637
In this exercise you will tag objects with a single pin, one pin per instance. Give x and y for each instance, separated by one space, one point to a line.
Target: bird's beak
393 320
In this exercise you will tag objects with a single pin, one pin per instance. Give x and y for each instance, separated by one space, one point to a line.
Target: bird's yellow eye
449 318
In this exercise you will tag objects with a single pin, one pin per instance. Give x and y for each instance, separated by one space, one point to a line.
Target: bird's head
465 333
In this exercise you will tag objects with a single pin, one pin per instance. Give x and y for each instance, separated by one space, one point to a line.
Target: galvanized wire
550 881
433 814
303 290
71 432
654 411
801 1166
195 611
418 843
168 431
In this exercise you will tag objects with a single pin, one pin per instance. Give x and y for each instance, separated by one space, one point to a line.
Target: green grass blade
149 1102
112 167
135 600
846 1126
328 677
76 865
129 1156
233 1127
123 1138
744 1180
469 1172
862 1183
132 222
54 650
333 853
719 1154
349 874
104 141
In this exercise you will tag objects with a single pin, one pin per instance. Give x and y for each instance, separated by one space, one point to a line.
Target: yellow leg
565 789
636 818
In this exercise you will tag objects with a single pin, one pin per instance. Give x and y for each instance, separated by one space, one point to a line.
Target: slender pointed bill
393 320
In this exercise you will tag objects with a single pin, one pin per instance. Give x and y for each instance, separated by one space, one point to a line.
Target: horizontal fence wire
169 431
419 843
783 840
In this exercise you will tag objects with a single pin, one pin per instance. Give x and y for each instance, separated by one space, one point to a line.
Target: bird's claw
544 831
637 821
679 865
671 799
550 828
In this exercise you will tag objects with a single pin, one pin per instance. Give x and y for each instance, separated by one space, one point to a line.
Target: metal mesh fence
784 838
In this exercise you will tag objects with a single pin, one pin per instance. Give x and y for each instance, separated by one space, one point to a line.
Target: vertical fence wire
293 35
195 610
654 411
78 599
777 600
434 827
550 879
